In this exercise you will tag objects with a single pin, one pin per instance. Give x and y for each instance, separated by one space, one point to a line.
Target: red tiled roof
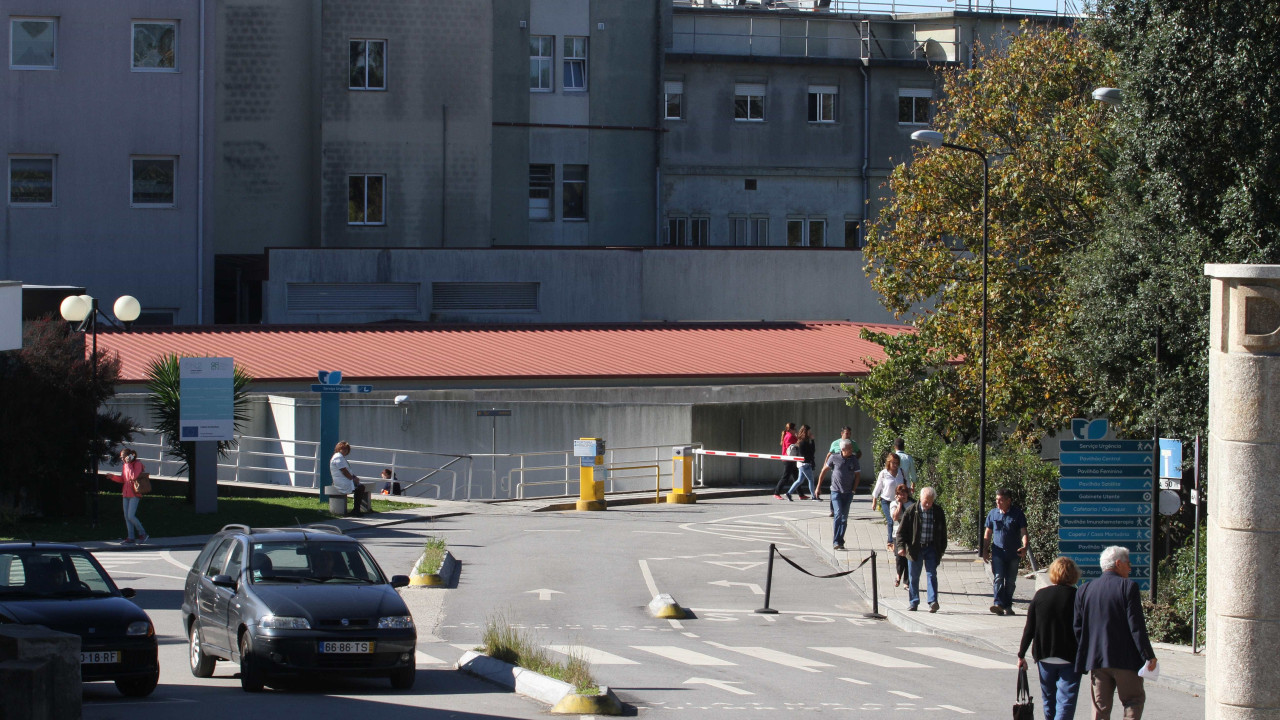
418 352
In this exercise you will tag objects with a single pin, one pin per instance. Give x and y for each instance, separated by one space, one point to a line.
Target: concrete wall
92 112
509 214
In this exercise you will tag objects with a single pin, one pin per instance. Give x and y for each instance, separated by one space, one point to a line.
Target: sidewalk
964 594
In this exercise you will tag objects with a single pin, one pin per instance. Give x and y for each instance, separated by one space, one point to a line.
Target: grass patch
432 557
171 516
510 644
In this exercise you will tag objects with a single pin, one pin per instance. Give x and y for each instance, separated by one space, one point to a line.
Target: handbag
1023 707
142 484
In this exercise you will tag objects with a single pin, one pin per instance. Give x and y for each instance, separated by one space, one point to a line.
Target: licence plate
347 647
100 657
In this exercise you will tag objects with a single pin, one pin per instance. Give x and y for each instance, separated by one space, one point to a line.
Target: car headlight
279 622
139 628
395 622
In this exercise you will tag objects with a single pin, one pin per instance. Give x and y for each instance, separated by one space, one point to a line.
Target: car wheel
201 664
138 687
402 678
252 678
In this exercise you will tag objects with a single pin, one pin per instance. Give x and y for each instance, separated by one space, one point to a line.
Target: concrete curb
556 693
702 493
440 578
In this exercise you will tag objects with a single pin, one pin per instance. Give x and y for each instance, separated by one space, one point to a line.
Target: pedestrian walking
806 449
345 480
922 538
902 502
1004 544
130 468
789 470
1050 633
845 472
907 462
846 433
884 491
1112 633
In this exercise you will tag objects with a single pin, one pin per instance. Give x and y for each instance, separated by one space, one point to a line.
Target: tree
165 385
1027 106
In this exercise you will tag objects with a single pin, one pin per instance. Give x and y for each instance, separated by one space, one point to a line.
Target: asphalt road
581 581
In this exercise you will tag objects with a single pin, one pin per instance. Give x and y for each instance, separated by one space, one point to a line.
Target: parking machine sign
206 405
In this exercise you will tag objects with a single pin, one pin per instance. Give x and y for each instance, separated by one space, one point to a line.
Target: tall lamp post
933 138
83 310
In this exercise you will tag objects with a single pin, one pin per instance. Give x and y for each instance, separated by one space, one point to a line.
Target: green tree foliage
1027 106
48 398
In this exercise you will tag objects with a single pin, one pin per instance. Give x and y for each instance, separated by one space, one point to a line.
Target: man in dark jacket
1113 637
922 538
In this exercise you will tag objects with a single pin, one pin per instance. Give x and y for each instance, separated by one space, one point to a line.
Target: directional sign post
331 388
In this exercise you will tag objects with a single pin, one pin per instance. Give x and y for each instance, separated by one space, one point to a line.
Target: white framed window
806 232
913 106
748 102
852 233
153 181
33 43
575 63
542 185
155 45
699 231
673 91
688 231
677 231
760 231
573 192
740 226
822 103
368 65
31 180
366 199
541 56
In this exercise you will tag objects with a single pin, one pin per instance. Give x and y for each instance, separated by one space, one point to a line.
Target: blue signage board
1104 496
1092 570
1170 458
1120 471
1104 484
1096 547
1104 509
1107 458
1103 535
1107 445
342 388
1118 521
1138 560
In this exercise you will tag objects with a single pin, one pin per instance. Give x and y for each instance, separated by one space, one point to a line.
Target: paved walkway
964 594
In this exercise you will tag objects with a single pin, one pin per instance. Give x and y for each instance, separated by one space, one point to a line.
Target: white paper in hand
1151 675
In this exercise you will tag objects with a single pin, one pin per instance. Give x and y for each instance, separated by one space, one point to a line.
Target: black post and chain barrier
768 582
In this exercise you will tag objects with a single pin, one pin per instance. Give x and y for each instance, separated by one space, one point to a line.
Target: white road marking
591 655
126 572
550 530
775 656
721 684
855 681
750 586
422 658
871 658
783 612
906 695
740 565
681 655
676 624
169 558
961 658
465 646
689 634
656 532
648 579
544 593
960 710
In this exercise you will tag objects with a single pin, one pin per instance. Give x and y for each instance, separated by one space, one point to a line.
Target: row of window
748 103
33 180
542 59
33 44
748 230
573 192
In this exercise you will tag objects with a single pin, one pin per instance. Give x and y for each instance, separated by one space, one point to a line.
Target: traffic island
560 695
435 567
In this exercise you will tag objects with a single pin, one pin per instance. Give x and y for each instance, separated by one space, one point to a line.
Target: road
580 582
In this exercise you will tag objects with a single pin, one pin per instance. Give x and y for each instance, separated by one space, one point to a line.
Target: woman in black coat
1050 633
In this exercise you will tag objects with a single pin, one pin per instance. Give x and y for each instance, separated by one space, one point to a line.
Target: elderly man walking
845 473
922 537
1112 633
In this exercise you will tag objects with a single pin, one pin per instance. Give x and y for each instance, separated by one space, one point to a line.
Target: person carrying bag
1023 707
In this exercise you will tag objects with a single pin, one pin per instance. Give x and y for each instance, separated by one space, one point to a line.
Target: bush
505 642
432 556
1169 620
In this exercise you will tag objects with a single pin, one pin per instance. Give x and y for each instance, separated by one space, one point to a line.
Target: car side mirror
399 581
128 592
225 581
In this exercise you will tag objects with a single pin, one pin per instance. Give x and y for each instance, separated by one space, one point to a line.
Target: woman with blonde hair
1051 634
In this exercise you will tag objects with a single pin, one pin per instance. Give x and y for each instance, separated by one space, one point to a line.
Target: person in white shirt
345 480
907 462
886 482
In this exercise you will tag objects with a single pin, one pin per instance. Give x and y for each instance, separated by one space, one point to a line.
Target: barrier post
875 591
592 473
768 585
682 477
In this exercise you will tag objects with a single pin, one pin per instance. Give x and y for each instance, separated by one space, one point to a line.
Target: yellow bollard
592 473
682 476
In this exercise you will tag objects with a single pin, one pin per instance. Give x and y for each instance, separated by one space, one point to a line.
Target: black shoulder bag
1023 708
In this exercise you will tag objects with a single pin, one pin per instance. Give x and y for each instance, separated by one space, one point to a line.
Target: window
366 195
674 90
153 181
700 231
811 232
822 103
851 228
760 231
694 232
913 106
33 43
677 231
31 181
155 46
542 183
575 63
573 193
541 55
740 226
748 102
219 559
368 65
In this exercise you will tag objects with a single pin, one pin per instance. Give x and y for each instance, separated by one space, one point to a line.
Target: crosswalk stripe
679 654
465 646
855 681
775 656
591 655
906 695
955 656
422 658
960 710
871 658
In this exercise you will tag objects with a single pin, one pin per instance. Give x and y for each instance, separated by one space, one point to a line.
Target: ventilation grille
345 298
484 296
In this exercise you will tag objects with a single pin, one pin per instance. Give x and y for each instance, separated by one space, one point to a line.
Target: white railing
890 7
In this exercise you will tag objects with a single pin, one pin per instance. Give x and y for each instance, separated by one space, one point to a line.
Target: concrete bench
337 501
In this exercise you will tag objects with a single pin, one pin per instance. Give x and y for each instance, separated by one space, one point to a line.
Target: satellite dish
1169 502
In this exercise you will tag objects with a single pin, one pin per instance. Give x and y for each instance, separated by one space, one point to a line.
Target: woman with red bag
130 469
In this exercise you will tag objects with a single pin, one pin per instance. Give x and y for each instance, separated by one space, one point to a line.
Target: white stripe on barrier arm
760 456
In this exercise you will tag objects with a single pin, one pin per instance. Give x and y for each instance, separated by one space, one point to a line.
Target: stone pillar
1243 630
39 673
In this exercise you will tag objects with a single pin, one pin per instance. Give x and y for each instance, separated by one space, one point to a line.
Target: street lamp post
933 138
83 309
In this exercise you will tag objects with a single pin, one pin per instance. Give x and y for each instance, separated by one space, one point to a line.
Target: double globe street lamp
83 310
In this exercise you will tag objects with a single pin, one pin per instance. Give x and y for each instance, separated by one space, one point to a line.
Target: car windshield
313 561
40 573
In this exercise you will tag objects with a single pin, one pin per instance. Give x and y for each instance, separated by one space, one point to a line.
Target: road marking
465 646
739 565
721 684
725 583
422 658
656 532
855 681
960 710
544 593
676 624
775 656
906 695
681 655
551 530
689 634
648 579
965 659
871 658
125 572
783 612
169 558
591 655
